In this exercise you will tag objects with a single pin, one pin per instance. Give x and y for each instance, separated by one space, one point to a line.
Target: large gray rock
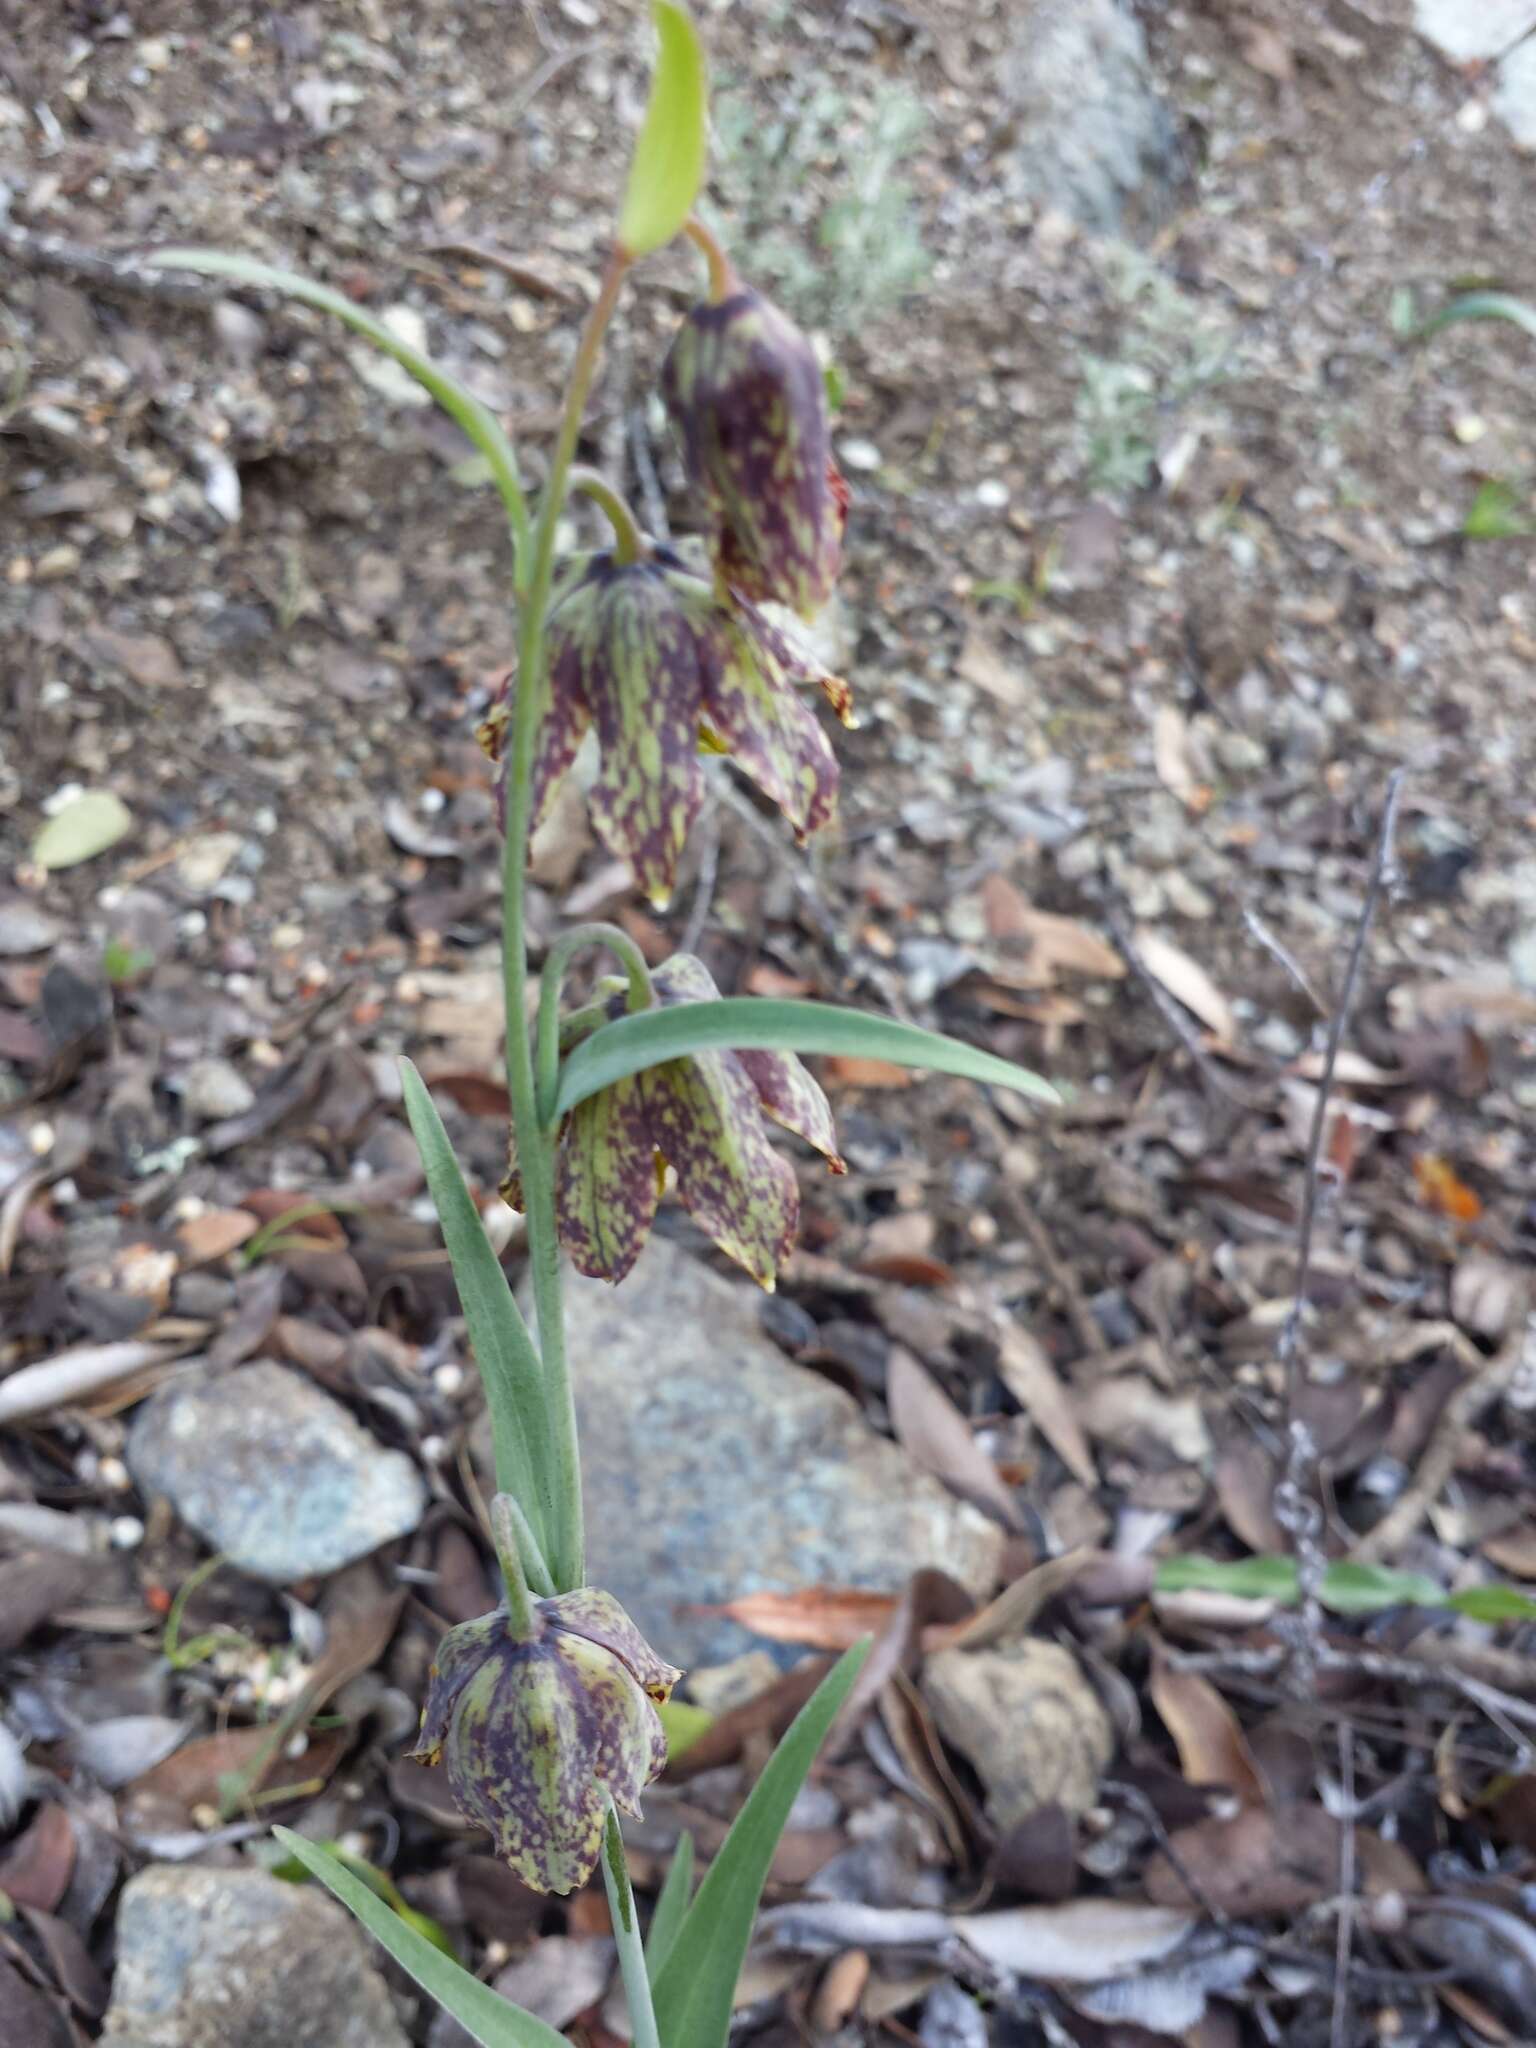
715 1467
273 1472
1093 136
1471 31
207 1958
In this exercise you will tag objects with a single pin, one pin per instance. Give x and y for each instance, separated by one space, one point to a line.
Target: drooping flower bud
704 1117
538 1733
657 660
746 396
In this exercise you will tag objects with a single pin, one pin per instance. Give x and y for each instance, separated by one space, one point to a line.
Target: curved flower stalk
540 1730
704 1117
660 663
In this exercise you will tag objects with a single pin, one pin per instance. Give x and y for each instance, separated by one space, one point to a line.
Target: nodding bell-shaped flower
704 1117
746 396
660 663
537 1733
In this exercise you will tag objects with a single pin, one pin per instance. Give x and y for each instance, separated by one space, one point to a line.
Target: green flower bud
658 661
746 396
704 1117
539 1733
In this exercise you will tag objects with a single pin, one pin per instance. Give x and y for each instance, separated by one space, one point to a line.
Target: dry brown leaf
838 1994
1030 1377
1013 1612
1266 50
816 1617
1056 944
980 663
932 1429
1273 1861
36 1868
191 1777
201 1239
1245 1479
1080 1942
1187 980
475 1094
767 1715
853 1070
1170 757
1493 1005
1513 1551
1205 1731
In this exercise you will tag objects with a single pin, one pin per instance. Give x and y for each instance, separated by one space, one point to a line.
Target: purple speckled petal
703 1116
789 1095
519 1759
683 978
597 1616
751 702
643 682
606 1182
745 393
459 1655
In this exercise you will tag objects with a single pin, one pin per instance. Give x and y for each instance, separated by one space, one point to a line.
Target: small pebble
448 1379
112 1473
126 1532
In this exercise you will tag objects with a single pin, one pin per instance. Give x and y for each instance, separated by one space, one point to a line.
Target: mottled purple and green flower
747 398
538 1732
659 662
704 1117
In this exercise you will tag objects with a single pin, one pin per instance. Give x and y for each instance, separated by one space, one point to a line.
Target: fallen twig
1439 1459
1290 1334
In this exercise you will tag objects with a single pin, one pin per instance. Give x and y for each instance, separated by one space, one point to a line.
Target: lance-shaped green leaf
695 1984
655 659
480 425
703 1116
668 165
628 1045
493 2021
501 1340
749 403
671 1906
539 1731
1482 306
1345 1588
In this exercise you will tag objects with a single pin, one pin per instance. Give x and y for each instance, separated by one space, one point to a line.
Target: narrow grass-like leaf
479 423
645 1038
1497 513
1492 1603
503 1345
1345 1589
493 2020
668 164
671 1906
1482 306
694 1986
1243 1578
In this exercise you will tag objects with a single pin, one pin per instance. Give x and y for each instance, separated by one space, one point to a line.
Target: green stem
530 1555
522 1622
559 957
629 542
626 1932
722 272
535 1148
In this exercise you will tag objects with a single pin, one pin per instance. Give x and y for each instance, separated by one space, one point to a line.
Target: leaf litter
1073 1323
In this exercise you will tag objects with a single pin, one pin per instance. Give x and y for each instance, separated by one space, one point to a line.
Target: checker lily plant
546 1712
